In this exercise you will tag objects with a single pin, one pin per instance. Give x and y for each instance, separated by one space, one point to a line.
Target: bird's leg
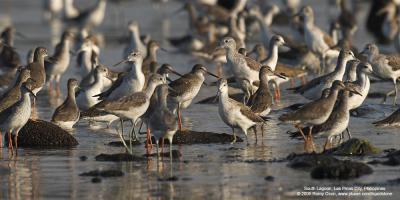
301 131
57 87
234 136
255 132
308 142
123 141
292 83
16 140
262 130
395 92
133 129
122 127
328 143
50 88
162 145
1 140
303 80
158 152
348 132
10 143
170 147
245 134
179 117
148 145
278 91
276 94
170 154
140 127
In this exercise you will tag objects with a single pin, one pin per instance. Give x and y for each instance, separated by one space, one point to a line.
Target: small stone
83 158
96 180
269 178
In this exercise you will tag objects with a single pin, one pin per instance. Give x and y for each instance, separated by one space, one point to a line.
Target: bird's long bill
169 80
211 74
121 62
176 73
19 34
163 49
279 75
30 91
363 52
353 90
172 89
218 48
383 10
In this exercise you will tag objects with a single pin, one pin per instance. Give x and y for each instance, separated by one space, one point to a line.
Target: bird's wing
246 111
253 64
115 85
310 84
179 86
394 62
126 102
62 113
260 102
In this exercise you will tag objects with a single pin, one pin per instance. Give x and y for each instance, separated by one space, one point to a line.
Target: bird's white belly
65 125
265 112
355 101
233 117
337 128
133 113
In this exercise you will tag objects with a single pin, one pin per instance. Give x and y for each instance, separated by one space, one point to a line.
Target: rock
393 159
120 157
120 144
322 166
354 147
341 170
309 161
175 154
83 158
96 180
43 134
194 137
269 178
103 173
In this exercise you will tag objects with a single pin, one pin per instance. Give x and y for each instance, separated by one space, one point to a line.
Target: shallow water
216 171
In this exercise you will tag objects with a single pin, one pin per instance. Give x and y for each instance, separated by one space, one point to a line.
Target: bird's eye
226 41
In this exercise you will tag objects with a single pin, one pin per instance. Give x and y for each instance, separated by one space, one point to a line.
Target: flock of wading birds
145 93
